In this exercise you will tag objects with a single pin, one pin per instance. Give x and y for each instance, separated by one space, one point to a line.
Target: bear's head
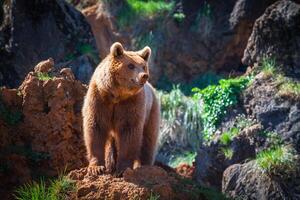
129 68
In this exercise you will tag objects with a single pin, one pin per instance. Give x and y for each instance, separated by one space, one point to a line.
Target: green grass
268 67
227 137
185 158
43 76
150 7
280 160
290 89
154 196
56 190
228 152
135 9
178 108
217 99
273 139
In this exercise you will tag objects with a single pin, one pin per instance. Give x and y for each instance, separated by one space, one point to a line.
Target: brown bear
121 114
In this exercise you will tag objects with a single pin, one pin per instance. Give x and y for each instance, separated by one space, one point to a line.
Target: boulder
36 30
276 34
246 181
211 160
275 113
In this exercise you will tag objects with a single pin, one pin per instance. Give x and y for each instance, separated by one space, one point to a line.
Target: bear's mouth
137 83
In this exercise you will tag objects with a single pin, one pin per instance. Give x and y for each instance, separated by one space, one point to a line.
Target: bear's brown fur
121 114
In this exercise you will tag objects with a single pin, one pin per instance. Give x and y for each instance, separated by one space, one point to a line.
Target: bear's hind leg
150 135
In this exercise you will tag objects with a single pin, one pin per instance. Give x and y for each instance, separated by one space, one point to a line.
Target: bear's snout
143 78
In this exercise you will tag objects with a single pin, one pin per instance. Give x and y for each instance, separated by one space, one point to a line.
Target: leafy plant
42 76
279 160
217 99
56 190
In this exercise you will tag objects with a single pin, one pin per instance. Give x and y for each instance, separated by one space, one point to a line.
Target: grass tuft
43 76
268 67
279 160
135 9
56 190
154 196
180 109
228 152
290 89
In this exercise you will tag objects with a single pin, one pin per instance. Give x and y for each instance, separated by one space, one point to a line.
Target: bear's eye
131 66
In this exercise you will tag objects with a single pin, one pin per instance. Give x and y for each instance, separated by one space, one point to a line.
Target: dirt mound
141 183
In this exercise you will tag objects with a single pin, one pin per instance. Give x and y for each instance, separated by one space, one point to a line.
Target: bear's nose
145 76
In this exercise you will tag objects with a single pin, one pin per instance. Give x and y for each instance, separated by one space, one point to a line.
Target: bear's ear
117 49
145 53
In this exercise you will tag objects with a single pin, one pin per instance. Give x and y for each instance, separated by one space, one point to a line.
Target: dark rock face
35 30
245 181
211 161
219 32
276 33
277 114
212 36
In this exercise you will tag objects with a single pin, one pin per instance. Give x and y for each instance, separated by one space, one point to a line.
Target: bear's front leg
128 144
95 137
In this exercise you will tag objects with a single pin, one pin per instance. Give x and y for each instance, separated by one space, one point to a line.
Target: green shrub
56 190
42 76
279 160
217 99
